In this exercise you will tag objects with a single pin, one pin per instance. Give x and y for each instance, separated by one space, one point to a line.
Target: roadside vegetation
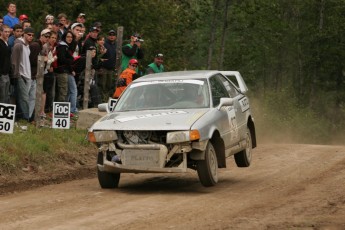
43 149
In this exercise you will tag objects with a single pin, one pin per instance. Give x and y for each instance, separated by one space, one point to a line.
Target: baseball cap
23 17
76 24
136 35
159 55
81 15
28 30
94 28
97 24
112 32
45 31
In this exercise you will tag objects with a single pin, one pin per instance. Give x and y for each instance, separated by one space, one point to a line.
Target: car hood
181 119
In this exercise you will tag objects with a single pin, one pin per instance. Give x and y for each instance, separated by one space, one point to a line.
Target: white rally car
175 121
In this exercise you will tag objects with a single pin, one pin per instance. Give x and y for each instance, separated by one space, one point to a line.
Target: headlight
101 136
182 136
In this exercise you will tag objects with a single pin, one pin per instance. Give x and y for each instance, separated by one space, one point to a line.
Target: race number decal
111 104
244 104
61 115
7 116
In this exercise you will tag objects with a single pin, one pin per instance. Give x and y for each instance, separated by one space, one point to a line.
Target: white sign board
61 115
7 116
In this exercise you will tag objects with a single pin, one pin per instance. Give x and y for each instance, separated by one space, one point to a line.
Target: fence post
87 79
119 41
39 90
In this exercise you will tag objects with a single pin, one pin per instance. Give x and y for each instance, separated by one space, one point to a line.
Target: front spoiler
112 167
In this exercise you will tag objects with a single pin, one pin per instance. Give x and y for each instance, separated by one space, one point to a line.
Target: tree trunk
212 34
223 39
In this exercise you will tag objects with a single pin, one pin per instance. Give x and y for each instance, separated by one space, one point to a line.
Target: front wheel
244 157
105 179
208 168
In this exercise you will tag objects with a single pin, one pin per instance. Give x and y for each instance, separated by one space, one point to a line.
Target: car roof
190 74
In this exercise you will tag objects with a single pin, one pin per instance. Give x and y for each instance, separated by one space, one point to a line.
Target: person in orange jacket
126 77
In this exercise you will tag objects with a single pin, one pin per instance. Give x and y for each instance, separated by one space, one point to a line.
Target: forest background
290 52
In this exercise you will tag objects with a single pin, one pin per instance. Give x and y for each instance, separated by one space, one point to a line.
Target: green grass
41 147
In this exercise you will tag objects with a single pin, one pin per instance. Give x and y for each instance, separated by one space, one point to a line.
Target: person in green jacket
132 50
156 66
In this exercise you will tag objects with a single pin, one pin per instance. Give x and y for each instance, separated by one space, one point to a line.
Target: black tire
105 179
208 168
244 157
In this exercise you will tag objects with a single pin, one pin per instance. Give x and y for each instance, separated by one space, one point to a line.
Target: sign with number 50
7 116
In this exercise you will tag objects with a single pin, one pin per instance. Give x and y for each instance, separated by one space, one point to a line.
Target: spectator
26 24
106 75
132 50
56 29
98 25
5 64
81 18
22 71
63 23
91 40
66 87
10 18
49 50
36 48
126 77
23 18
156 66
76 30
1 21
49 20
17 33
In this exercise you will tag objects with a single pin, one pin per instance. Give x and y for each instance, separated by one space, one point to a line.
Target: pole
39 90
87 79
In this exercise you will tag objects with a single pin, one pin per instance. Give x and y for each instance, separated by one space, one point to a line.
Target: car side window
229 86
218 89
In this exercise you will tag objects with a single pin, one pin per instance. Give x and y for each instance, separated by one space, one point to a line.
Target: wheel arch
218 145
251 127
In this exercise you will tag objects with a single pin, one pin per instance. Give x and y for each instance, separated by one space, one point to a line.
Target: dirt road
286 187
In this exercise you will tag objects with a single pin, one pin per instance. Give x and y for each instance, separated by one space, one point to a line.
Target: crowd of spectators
64 44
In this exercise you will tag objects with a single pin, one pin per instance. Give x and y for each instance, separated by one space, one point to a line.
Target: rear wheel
208 168
105 179
244 157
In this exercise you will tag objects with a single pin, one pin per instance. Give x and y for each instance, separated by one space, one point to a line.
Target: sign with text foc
7 117
61 115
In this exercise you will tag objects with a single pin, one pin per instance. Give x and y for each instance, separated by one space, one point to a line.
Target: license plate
139 157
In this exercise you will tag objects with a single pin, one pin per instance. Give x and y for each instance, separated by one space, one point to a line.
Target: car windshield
165 94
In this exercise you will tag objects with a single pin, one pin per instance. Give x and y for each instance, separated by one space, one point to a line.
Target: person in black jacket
64 65
5 64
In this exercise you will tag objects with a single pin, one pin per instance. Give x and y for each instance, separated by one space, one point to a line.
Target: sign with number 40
61 115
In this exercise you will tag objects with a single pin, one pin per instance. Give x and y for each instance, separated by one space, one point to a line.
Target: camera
139 40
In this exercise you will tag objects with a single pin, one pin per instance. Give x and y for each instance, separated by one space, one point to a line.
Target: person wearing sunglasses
126 77
22 72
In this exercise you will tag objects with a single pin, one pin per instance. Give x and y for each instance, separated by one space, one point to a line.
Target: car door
229 127
240 106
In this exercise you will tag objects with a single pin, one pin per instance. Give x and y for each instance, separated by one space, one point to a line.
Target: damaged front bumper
147 158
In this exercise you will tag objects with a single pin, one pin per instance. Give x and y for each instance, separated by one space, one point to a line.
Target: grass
41 147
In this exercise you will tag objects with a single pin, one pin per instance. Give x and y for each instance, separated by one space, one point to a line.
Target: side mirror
225 101
103 107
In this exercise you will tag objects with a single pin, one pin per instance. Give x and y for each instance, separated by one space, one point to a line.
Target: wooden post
119 41
87 79
39 89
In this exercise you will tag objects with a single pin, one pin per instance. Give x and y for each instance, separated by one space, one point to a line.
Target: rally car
176 121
